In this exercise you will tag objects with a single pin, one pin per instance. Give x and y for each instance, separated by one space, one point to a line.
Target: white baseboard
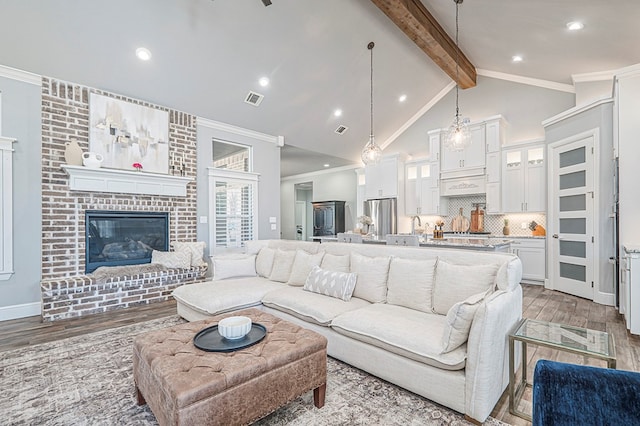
20 311
608 299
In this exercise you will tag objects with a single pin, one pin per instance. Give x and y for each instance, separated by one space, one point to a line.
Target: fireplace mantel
123 181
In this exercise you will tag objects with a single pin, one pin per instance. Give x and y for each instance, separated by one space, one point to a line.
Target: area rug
88 380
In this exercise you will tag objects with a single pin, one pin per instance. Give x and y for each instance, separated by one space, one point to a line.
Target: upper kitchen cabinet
382 178
468 162
422 196
524 182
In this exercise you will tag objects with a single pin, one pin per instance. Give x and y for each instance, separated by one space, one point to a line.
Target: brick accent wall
65 115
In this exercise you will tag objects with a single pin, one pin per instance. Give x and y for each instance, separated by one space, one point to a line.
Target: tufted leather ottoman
184 385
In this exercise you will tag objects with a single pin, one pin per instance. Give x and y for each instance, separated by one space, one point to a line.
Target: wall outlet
524 225
273 226
203 219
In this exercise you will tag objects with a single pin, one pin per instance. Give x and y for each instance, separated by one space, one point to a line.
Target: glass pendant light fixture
371 153
458 137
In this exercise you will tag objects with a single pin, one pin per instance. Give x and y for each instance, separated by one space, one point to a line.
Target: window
231 156
233 208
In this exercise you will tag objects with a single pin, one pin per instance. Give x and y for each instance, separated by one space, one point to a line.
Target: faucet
413 224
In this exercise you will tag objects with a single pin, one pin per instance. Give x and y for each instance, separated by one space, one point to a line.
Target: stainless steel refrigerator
383 214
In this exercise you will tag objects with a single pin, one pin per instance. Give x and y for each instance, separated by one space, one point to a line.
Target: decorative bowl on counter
234 327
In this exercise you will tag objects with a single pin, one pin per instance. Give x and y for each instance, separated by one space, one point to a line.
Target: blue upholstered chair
569 394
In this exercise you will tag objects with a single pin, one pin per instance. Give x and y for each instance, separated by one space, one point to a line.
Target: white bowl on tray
234 328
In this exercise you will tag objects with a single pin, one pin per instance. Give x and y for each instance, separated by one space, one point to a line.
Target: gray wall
266 162
327 186
21 103
524 107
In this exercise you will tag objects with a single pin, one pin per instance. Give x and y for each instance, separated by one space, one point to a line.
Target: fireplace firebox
114 238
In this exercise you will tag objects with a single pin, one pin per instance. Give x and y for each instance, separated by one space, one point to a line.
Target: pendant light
371 153
458 137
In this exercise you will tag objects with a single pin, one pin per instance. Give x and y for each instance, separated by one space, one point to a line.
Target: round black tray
210 340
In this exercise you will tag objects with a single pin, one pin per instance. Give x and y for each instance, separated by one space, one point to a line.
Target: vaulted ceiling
208 54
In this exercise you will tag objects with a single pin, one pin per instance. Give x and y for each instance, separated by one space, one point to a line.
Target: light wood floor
537 303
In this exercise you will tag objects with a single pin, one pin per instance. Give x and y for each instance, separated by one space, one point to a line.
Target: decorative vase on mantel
73 153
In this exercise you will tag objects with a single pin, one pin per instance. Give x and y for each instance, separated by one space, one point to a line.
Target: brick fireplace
66 290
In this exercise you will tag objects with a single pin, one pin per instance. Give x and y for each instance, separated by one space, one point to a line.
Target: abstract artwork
125 133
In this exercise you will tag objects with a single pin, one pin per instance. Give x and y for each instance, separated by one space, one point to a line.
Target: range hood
459 187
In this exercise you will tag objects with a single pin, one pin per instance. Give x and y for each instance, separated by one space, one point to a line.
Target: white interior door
571 208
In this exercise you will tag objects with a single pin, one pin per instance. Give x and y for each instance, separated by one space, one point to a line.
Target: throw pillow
233 266
454 283
172 259
335 262
459 320
282 264
410 283
372 277
302 265
196 251
264 261
331 283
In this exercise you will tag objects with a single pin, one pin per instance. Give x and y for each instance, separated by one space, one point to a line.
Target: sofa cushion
336 262
331 283
264 261
172 259
312 307
303 263
410 283
233 266
454 283
459 319
406 332
216 297
196 249
372 277
282 264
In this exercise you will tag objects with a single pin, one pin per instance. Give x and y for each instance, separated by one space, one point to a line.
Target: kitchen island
482 244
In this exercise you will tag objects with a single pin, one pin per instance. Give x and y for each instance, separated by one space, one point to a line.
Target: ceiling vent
254 98
341 130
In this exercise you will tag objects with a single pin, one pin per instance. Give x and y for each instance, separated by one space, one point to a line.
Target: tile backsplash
492 223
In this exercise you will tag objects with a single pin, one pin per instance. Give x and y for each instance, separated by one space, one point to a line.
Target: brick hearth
66 291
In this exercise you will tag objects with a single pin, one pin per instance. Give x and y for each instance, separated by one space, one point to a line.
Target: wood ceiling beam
420 26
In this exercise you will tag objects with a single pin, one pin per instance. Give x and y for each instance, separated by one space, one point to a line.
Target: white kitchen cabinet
422 197
382 178
468 162
493 199
360 191
524 181
532 254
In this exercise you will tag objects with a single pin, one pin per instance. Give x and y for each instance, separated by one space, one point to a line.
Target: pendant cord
370 47
457 67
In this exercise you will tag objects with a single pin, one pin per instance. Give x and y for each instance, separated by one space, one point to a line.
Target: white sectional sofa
431 320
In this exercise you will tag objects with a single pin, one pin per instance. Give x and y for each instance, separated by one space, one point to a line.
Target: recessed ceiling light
327 165
402 98
264 81
143 53
575 25
516 58
337 113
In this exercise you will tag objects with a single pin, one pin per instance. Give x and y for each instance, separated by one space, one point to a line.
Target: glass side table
582 341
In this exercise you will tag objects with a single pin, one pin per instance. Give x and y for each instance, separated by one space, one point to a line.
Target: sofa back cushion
225 267
336 262
331 283
454 283
459 320
410 283
303 263
372 277
282 264
264 261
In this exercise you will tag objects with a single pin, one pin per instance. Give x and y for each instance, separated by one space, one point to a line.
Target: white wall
327 186
524 107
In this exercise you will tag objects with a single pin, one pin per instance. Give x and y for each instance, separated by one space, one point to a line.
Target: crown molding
545 84
321 172
241 131
19 75
626 71
422 111
575 111
593 76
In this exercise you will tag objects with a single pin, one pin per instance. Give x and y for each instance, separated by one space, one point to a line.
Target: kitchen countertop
468 243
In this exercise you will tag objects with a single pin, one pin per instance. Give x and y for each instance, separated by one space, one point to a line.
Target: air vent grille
341 130
254 98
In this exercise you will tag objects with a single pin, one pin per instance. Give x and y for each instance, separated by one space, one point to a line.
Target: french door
571 205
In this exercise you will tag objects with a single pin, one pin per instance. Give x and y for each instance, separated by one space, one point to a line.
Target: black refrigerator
328 218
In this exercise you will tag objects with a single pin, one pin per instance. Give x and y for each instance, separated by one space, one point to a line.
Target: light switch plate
203 219
272 219
273 226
